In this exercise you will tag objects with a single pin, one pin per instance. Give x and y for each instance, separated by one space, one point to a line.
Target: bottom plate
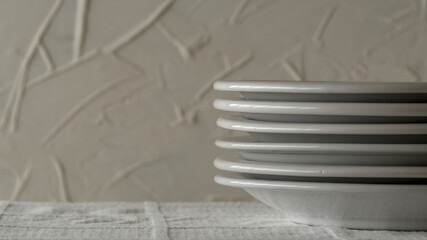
359 206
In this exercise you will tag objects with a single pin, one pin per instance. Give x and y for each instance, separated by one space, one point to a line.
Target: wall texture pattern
106 100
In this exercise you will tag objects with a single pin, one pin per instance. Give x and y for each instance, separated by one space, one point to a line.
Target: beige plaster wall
108 100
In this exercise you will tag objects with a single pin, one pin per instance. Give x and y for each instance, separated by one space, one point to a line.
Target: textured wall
111 100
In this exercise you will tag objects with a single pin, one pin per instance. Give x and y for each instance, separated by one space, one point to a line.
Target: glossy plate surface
321 87
327 91
238 180
338 159
240 124
361 206
318 153
234 163
326 112
248 144
320 108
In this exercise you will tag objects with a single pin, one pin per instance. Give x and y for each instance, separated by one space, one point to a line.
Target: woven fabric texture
152 220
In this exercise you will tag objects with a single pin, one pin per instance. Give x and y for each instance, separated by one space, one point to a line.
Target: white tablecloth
151 220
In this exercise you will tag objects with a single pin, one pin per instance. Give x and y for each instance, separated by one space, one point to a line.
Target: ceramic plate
328 133
234 163
322 87
341 154
327 91
361 206
338 179
338 159
248 144
241 124
321 112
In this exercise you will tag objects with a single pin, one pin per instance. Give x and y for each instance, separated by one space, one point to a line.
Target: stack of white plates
330 153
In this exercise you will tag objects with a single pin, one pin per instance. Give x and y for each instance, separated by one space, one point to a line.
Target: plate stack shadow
347 154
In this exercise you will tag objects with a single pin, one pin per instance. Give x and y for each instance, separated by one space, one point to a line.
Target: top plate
321 87
327 91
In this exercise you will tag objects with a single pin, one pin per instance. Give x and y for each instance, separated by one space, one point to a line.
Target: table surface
152 220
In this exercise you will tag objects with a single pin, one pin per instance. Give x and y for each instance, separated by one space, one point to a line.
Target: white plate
327 91
337 179
327 133
340 154
241 124
321 112
322 87
248 144
338 159
234 163
361 206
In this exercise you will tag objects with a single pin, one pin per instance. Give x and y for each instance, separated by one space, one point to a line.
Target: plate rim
234 180
235 163
239 144
322 108
239 123
321 87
